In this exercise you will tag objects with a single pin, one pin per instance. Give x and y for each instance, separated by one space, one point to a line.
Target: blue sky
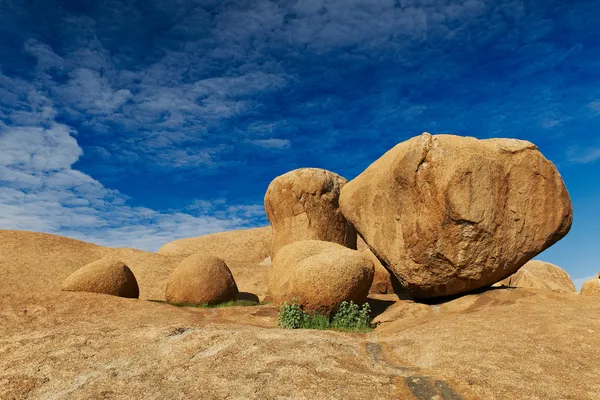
131 123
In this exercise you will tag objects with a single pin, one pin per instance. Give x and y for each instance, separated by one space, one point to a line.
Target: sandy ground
497 344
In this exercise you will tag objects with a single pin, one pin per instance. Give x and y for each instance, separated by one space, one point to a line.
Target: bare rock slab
450 214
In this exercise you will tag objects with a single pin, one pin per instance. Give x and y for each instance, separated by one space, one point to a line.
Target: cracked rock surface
450 214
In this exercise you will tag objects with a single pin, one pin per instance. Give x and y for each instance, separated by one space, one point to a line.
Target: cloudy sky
131 123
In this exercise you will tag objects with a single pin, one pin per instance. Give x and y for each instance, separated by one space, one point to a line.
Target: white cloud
595 106
579 155
40 191
272 144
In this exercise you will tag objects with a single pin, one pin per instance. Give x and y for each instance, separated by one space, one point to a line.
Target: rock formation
537 274
105 276
201 279
246 245
450 214
591 287
382 279
303 205
320 275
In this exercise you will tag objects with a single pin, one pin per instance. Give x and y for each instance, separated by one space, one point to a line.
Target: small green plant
291 316
349 317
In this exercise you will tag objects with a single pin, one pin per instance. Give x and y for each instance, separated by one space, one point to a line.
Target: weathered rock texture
201 279
383 281
246 245
591 287
537 274
105 276
303 205
320 275
451 214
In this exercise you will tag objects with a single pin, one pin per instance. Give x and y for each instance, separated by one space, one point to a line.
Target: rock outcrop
536 274
320 275
383 281
450 214
245 245
201 279
591 287
303 205
104 276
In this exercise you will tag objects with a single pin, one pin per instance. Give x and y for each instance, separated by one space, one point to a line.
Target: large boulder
450 214
245 245
538 274
320 275
591 287
201 279
303 205
105 276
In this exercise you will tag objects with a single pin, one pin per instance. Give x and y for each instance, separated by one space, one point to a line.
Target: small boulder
105 276
450 214
538 274
303 205
201 279
591 287
320 275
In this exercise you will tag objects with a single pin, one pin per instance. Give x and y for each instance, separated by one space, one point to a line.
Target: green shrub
291 316
349 317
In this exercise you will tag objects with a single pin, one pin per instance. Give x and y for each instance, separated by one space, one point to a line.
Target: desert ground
498 343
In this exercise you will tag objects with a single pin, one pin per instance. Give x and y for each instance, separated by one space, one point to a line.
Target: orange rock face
244 245
320 275
451 214
201 279
537 274
105 276
304 205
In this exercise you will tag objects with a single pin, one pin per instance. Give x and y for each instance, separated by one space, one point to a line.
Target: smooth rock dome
201 279
538 274
320 275
591 287
244 245
450 214
105 276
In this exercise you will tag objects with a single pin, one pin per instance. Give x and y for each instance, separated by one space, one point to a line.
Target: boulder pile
201 279
303 204
105 276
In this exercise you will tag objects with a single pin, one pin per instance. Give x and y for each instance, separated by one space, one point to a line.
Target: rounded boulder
105 276
201 279
320 275
303 204
450 214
